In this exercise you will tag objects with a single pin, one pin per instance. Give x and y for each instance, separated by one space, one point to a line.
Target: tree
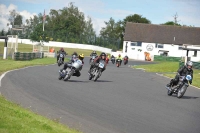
116 30
171 23
109 30
88 33
12 16
136 18
15 19
2 33
18 20
67 25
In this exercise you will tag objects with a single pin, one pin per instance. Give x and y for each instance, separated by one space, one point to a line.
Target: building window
139 44
158 45
180 47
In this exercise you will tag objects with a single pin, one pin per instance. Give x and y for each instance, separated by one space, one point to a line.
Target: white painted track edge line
2 76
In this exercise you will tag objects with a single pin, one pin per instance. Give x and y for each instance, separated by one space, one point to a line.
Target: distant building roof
165 34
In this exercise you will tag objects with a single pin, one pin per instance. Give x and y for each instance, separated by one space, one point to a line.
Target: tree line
70 25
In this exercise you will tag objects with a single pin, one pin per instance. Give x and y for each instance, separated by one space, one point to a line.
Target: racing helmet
189 63
81 56
103 54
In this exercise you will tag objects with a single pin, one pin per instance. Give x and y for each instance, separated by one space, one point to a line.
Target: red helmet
119 55
61 49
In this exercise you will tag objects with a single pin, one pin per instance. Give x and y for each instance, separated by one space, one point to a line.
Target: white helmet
189 63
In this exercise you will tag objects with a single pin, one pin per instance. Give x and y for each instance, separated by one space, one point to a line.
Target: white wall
62 44
133 53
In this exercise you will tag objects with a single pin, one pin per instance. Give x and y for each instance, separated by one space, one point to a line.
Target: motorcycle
181 88
60 60
118 62
66 74
125 60
96 71
92 59
113 60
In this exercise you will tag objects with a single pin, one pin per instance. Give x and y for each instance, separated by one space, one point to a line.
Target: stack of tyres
24 56
16 55
34 55
28 56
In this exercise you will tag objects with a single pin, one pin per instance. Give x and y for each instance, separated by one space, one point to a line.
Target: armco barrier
196 65
27 56
166 58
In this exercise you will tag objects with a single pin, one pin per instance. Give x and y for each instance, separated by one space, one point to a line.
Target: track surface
123 100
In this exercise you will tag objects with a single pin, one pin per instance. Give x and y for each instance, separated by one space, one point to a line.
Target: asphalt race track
123 100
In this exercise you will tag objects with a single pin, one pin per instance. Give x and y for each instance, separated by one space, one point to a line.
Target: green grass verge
10 64
15 119
160 67
168 69
29 48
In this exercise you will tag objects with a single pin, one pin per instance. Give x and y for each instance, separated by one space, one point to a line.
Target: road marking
1 76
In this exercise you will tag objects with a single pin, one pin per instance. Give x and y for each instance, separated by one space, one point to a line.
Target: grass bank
168 69
14 119
29 48
10 64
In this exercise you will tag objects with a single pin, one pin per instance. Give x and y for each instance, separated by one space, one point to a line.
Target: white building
136 50
161 40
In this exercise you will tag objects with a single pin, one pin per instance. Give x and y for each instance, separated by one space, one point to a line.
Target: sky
157 11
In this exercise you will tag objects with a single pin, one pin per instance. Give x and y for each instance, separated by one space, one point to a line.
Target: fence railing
166 58
196 65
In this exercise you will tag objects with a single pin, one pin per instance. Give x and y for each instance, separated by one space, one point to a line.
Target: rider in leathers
183 71
61 51
97 60
69 64
120 58
93 54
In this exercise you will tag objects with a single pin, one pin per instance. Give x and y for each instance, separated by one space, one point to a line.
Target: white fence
65 45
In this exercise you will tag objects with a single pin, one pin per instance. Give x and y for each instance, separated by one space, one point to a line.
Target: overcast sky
157 11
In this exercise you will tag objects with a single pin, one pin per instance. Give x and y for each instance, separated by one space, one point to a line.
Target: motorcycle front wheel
169 93
181 91
59 77
96 76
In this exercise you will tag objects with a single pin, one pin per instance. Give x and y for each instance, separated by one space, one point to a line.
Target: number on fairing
188 77
101 65
61 55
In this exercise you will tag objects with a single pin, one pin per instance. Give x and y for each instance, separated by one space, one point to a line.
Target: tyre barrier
28 56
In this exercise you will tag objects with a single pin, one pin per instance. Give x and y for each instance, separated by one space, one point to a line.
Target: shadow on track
189 97
186 97
103 81
77 81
